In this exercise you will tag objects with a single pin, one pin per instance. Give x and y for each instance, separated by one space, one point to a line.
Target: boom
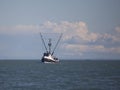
57 43
43 42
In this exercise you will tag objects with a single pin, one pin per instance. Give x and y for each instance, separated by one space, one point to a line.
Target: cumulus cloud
76 36
90 48
117 29
76 30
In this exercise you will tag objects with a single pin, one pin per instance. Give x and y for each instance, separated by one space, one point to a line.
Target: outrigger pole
43 42
57 43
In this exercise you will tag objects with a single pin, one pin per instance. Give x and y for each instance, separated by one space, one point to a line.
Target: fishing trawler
48 56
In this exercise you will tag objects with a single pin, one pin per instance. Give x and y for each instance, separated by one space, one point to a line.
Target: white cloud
76 30
70 30
83 48
117 29
75 49
76 36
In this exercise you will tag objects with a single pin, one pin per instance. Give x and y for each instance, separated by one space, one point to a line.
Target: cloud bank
77 38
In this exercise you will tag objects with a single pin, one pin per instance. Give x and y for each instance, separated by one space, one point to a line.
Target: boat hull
49 59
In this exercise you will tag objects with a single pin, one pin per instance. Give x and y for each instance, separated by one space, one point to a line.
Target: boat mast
50 44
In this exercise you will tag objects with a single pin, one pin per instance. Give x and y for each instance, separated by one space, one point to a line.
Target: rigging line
57 43
43 42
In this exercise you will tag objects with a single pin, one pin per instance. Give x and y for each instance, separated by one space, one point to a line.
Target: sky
91 28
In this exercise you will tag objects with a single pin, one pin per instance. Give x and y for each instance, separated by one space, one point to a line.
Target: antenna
57 43
43 42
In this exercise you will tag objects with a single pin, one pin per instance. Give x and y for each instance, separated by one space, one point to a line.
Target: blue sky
91 28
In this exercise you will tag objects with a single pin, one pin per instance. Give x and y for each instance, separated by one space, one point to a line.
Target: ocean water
66 75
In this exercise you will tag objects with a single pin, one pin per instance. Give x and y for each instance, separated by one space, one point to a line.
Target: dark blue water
67 75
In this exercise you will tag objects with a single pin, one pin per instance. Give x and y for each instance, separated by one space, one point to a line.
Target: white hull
49 59
50 62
